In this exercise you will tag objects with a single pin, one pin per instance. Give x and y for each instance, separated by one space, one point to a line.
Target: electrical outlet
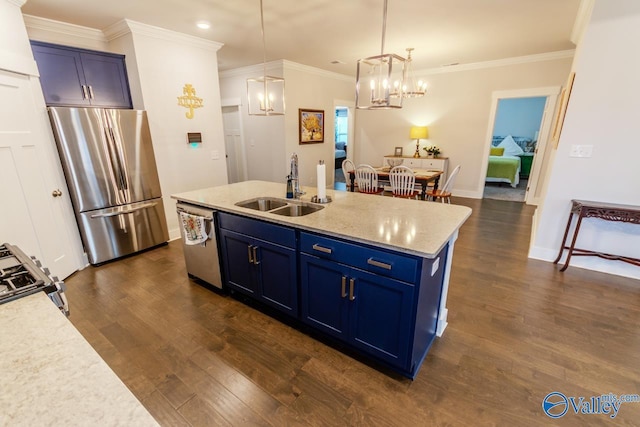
581 151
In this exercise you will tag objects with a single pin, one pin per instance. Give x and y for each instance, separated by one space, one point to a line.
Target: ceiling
317 32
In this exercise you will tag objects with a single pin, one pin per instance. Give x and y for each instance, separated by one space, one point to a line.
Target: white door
235 154
32 218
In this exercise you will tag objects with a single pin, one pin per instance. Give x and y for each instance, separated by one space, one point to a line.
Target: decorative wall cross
189 100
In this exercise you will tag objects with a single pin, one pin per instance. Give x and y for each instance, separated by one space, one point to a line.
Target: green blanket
503 167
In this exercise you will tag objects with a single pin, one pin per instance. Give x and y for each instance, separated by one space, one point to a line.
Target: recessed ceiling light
204 25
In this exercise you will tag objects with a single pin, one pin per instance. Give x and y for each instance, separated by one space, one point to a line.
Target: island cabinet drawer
390 264
259 229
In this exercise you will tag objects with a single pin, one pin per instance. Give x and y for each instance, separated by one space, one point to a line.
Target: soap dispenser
289 187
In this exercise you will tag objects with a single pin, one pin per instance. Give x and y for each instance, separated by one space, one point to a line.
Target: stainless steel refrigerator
108 161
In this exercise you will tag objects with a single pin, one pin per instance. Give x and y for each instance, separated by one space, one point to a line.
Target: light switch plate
581 151
215 155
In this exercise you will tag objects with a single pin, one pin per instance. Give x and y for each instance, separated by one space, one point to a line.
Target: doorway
513 142
341 138
526 120
236 157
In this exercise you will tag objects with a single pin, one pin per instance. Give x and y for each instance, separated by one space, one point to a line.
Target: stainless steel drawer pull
250 254
375 263
85 95
91 92
317 247
344 286
351 286
255 255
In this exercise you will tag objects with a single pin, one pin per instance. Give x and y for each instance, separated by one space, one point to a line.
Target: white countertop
411 226
50 375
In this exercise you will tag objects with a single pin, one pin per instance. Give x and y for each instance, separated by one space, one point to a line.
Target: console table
605 211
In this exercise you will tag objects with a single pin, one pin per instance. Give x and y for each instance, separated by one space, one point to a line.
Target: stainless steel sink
297 209
262 203
280 206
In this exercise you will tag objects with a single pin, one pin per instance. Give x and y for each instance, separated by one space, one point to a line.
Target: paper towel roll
322 181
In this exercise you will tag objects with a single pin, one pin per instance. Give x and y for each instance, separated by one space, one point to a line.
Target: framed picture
398 152
562 109
311 126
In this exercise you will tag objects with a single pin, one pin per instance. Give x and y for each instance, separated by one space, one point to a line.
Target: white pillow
510 147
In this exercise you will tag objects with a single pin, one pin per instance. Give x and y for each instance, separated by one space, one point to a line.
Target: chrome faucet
295 178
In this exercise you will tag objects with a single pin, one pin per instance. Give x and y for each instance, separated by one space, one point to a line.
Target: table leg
564 238
423 193
352 178
573 243
435 186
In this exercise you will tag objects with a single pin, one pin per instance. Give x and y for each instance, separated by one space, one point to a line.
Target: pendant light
412 88
374 77
265 93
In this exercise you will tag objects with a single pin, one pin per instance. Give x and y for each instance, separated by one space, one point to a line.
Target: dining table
423 177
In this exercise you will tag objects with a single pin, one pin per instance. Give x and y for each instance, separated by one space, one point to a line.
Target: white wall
603 112
456 109
263 135
310 88
15 50
271 140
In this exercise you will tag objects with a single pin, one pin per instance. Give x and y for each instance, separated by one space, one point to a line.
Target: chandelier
265 93
374 75
411 88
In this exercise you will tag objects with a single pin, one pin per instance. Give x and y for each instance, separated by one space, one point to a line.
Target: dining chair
367 180
403 182
445 192
348 166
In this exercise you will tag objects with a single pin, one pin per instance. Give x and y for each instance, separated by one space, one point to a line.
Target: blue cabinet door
278 276
61 75
240 273
80 77
266 271
371 313
106 77
380 316
323 300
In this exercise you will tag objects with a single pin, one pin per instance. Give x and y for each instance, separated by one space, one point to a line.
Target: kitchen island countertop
50 375
411 226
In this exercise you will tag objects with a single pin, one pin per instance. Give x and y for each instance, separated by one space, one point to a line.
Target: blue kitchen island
370 272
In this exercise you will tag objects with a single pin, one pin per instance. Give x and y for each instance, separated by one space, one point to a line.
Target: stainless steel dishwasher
202 259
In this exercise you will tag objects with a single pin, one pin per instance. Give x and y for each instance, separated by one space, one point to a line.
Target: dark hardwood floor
518 330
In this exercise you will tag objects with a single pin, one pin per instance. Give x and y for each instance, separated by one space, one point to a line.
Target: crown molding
517 60
125 26
277 65
281 65
317 71
71 30
18 3
582 20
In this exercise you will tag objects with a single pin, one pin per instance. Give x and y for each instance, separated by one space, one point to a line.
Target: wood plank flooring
518 330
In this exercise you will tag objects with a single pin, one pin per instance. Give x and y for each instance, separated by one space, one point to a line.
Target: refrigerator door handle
115 160
124 212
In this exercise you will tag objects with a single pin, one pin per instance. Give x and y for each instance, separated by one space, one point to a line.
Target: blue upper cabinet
80 77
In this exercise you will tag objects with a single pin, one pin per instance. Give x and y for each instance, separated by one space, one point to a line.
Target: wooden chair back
367 180
444 193
402 181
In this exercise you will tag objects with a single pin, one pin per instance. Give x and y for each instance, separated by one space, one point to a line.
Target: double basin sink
280 206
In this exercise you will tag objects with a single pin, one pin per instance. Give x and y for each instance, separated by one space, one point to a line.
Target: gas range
21 275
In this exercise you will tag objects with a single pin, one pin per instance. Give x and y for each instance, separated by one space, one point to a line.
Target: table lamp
418 133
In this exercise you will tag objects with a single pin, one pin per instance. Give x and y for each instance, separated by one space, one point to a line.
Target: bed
504 159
